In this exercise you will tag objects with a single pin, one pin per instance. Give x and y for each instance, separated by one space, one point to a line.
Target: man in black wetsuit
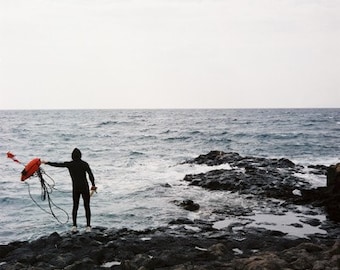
78 169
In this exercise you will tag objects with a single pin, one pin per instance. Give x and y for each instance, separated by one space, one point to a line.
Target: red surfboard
30 168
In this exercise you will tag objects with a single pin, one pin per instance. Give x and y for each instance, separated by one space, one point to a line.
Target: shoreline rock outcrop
170 248
270 178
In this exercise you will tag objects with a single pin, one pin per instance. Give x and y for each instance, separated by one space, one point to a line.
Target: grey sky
169 53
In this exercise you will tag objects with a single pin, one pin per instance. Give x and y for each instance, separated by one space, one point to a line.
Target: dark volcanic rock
214 158
303 256
190 205
270 178
333 176
256 176
326 197
166 248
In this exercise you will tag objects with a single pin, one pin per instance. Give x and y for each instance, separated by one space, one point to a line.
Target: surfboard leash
46 190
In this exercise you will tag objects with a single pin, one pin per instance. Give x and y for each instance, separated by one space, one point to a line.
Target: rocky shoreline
198 244
172 248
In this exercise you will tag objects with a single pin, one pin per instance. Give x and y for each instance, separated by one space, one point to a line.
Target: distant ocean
136 158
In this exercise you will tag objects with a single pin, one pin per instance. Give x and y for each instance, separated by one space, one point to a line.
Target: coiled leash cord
46 190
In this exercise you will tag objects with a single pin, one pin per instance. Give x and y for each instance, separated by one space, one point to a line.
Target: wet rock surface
174 247
269 178
273 178
199 244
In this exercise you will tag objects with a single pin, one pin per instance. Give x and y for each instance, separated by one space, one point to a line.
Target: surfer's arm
89 172
56 164
91 177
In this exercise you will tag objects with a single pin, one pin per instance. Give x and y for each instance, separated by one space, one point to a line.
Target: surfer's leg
86 198
76 197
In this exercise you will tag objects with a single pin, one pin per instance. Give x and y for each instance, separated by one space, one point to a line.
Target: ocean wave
195 132
6 201
179 138
280 136
107 123
225 141
136 153
114 123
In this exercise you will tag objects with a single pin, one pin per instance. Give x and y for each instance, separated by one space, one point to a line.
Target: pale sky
73 54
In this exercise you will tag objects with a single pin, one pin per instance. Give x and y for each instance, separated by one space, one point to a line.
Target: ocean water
136 158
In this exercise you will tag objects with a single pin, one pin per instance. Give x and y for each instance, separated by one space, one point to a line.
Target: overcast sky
61 54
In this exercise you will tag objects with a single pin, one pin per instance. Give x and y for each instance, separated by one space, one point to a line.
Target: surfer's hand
94 188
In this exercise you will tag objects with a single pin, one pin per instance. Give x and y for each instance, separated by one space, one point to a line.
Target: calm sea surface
135 153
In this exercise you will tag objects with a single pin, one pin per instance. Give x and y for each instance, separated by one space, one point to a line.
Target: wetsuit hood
76 154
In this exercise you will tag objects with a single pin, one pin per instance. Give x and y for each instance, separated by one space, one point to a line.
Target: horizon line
174 108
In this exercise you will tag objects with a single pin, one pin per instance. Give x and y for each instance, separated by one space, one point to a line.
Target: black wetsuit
78 169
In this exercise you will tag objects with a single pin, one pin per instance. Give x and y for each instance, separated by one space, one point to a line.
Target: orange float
30 168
